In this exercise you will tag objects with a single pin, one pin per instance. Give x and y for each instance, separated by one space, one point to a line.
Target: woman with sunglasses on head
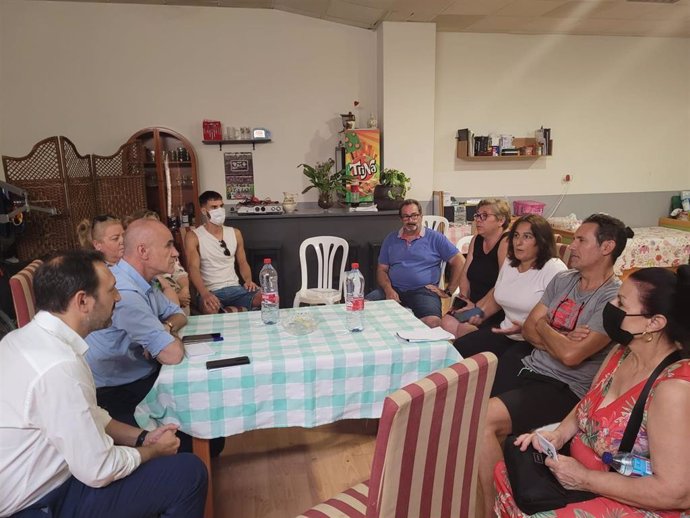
487 252
531 264
649 321
105 234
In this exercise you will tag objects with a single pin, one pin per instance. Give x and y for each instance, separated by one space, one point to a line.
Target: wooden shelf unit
184 188
463 148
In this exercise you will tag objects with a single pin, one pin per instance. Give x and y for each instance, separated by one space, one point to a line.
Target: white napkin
426 335
196 349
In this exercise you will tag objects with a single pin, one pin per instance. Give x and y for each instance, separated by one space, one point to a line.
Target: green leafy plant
398 182
323 179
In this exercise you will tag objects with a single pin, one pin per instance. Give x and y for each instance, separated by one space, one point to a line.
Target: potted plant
324 181
390 192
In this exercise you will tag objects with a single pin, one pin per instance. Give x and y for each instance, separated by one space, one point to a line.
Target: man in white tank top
212 250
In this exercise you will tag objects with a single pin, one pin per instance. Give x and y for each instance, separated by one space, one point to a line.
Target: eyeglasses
414 215
482 216
224 247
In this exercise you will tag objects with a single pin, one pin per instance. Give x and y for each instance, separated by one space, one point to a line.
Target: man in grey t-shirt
570 307
565 328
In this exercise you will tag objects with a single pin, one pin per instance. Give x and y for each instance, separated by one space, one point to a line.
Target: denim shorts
235 296
422 302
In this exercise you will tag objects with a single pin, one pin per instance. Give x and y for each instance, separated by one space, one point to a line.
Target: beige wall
97 73
619 110
408 67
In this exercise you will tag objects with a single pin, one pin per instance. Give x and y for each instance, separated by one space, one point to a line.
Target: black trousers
483 340
120 402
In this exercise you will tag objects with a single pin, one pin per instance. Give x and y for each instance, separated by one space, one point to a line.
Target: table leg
201 448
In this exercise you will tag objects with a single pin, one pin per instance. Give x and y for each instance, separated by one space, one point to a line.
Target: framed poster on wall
239 175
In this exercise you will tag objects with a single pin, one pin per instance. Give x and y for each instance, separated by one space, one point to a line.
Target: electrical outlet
567 178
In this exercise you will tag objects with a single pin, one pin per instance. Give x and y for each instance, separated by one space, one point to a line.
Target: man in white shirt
60 454
212 250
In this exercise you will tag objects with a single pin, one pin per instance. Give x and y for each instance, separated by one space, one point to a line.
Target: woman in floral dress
649 319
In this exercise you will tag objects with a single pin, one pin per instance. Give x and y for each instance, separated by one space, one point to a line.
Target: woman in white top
531 263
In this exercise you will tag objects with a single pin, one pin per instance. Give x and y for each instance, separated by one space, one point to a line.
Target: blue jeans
235 296
169 487
422 302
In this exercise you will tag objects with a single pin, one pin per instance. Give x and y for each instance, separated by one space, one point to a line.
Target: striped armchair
426 448
22 286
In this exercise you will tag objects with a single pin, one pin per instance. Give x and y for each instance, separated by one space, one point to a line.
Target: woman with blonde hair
104 233
487 252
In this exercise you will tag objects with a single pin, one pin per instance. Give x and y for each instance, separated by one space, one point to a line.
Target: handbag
536 489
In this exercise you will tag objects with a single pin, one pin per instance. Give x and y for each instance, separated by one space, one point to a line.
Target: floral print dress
601 430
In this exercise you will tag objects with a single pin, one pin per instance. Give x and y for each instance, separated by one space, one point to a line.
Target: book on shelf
465 135
543 138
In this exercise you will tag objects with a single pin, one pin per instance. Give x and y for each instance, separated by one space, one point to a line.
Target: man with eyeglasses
570 343
409 266
212 250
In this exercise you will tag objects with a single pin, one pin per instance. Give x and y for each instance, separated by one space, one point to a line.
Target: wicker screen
78 186
119 181
41 174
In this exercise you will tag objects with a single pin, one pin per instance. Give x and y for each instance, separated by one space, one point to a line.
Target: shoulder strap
635 421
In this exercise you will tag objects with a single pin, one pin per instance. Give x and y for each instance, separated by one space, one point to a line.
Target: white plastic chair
438 223
325 248
463 244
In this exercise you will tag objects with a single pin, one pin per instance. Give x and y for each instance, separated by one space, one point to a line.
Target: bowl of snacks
299 323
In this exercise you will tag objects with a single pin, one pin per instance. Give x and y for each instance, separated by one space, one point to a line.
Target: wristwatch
140 440
170 326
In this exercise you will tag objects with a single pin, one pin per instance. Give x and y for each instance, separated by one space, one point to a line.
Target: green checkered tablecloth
328 375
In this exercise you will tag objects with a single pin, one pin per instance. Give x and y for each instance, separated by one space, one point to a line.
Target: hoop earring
648 337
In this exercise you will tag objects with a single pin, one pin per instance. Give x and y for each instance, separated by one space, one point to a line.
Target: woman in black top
487 253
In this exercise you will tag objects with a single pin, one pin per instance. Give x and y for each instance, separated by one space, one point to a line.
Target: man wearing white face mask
212 250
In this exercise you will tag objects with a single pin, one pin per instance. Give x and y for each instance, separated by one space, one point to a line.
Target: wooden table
678 224
654 246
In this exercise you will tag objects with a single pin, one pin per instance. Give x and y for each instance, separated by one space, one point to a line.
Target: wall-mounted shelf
220 143
529 148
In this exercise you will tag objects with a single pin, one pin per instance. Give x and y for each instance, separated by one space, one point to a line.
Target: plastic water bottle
268 277
354 299
628 464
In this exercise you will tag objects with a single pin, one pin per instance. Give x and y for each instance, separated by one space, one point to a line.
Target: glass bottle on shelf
184 216
190 211
173 222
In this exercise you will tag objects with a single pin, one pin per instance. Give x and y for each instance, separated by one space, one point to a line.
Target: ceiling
584 17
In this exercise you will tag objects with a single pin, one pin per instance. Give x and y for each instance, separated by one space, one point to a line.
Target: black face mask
613 318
